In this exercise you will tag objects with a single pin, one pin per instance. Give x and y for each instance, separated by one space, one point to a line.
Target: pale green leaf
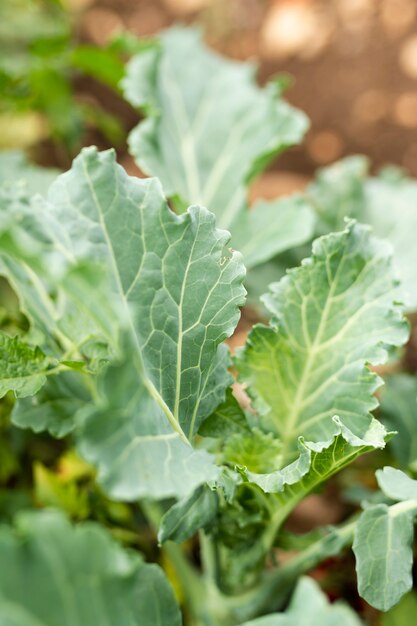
170 285
53 574
331 317
399 412
16 169
396 485
383 551
210 128
137 452
309 605
54 407
188 516
22 369
269 228
391 209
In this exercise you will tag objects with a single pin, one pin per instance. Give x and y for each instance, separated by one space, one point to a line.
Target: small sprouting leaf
167 291
188 516
331 317
63 565
22 369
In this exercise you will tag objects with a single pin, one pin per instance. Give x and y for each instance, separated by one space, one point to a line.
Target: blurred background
353 65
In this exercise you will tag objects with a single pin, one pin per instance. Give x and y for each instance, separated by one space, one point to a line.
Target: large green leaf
169 285
331 317
55 574
209 130
383 542
309 606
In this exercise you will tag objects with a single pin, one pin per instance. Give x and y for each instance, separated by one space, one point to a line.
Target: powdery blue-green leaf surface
209 130
399 412
56 574
383 550
270 227
310 606
331 317
169 285
383 541
22 368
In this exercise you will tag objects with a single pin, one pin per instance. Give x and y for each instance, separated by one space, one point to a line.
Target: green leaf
228 419
391 209
399 412
309 602
55 406
22 369
338 192
269 228
135 449
316 463
77 575
16 169
396 485
383 551
331 317
188 516
210 128
168 284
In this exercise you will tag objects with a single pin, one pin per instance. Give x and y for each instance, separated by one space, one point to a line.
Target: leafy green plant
120 362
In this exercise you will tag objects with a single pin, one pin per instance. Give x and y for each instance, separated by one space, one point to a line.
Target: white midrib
290 425
154 393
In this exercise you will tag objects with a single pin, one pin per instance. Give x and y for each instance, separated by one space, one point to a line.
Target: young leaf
316 463
209 129
383 542
383 551
187 516
332 316
77 575
22 369
309 603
